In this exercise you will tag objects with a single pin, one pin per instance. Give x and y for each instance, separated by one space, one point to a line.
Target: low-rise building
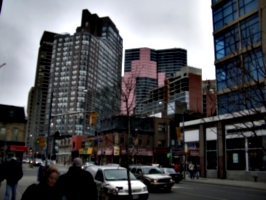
12 131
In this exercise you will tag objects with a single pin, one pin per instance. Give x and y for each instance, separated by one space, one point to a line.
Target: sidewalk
226 182
26 181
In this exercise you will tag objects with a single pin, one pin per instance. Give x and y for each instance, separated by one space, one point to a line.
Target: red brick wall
195 93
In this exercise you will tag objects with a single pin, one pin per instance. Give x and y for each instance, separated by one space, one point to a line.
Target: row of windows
231 10
228 42
235 72
237 151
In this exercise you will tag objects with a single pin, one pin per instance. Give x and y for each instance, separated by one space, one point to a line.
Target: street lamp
2 65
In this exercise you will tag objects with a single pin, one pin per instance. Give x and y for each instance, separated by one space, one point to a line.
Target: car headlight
144 189
171 180
154 181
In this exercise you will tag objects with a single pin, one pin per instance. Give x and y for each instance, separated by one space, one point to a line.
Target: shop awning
18 148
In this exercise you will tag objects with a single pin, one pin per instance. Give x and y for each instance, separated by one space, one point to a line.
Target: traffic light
178 134
42 142
7 132
93 116
37 140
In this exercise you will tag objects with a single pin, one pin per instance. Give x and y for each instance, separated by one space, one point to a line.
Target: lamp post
2 65
84 114
48 129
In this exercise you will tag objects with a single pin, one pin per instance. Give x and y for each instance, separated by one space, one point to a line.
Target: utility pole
48 129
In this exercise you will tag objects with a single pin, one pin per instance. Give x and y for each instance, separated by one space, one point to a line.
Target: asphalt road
197 191
187 190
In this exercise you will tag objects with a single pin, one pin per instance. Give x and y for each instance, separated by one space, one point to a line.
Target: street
198 191
186 189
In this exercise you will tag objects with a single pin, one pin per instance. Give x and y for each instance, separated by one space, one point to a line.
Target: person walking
191 169
45 189
74 184
12 173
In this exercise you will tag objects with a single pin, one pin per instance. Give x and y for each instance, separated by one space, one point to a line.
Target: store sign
105 151
138 151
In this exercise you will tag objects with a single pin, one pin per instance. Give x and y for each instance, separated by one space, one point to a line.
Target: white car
112 183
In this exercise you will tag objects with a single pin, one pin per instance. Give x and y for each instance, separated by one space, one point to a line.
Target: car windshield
152 170
117 175
170 171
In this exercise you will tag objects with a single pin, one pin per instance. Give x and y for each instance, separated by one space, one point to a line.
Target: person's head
77 162
50 175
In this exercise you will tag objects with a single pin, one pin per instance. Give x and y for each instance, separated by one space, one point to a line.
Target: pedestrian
76 184
177 167
191 169
12 173
2 173
40 172
45 189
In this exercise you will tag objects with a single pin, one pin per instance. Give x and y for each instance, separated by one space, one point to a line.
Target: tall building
38 94
239 31
83 65
184 86
146 69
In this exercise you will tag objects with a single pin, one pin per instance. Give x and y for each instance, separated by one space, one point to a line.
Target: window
250 31
235 153
227 42
246 6
3 134
148 142
161 127
211 154
225 14
122 140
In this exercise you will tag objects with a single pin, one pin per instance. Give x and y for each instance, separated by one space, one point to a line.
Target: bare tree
126 96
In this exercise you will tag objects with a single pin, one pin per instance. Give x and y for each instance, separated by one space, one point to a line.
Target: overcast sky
156 24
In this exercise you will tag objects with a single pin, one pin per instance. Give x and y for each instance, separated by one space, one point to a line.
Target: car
37 161
113 164
153 177
176 176
26 160
112 183
87 164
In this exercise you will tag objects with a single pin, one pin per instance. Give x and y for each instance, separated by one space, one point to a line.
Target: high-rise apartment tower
83 66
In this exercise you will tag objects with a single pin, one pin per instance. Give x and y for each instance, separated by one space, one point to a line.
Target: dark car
153 177
176 176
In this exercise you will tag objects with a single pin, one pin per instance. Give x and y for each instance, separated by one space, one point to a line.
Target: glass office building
239 43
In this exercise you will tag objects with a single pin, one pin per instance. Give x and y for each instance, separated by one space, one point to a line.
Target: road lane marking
209 197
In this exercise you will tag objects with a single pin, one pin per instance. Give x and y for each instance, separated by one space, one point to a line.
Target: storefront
14 151
105 155
160 156
86 154
137 155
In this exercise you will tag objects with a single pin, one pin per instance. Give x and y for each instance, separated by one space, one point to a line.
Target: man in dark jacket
13 173
76 184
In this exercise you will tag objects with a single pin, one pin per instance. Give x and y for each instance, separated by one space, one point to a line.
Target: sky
156 24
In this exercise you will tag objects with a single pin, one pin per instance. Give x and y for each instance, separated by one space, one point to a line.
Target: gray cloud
144 23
